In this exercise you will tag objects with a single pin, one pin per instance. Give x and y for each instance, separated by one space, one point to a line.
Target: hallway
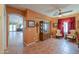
50 46
15 41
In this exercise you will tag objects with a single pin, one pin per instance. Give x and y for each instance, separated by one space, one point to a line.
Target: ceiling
46 9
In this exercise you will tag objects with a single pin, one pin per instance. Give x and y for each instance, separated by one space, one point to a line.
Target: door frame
7 28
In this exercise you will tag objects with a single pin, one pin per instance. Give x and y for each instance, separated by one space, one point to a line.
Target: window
12 27
65 27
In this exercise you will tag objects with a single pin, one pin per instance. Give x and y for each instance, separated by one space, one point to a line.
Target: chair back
72 31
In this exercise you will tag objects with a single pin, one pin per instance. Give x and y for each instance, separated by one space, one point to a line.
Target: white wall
2 29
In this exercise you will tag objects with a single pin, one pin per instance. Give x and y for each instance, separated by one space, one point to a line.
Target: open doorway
15 39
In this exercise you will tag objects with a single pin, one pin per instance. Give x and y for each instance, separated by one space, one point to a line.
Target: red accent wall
71 23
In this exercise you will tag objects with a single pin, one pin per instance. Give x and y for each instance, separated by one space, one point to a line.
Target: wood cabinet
44 29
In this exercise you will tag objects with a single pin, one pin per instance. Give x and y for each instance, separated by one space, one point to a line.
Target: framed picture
31 23
55 25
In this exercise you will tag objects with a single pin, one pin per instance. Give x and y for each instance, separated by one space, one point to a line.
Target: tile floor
49 46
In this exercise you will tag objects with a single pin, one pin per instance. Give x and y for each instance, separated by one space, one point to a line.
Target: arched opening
15 35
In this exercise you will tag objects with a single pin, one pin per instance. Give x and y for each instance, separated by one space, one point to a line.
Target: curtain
71 24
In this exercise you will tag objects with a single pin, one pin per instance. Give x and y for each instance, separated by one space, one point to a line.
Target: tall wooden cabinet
44 30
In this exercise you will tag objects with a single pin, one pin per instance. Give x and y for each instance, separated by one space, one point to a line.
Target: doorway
15 36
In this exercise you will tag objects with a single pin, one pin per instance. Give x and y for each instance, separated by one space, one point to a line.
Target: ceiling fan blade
66 12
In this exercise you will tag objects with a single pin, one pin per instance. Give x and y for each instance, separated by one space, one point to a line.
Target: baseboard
30 43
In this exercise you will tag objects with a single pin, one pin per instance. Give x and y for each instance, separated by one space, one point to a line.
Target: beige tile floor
49 46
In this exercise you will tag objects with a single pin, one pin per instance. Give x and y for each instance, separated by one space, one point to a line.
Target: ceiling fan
60 12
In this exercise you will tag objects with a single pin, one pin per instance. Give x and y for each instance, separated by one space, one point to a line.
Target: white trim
3 27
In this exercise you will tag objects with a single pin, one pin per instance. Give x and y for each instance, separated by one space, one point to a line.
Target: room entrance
15 36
